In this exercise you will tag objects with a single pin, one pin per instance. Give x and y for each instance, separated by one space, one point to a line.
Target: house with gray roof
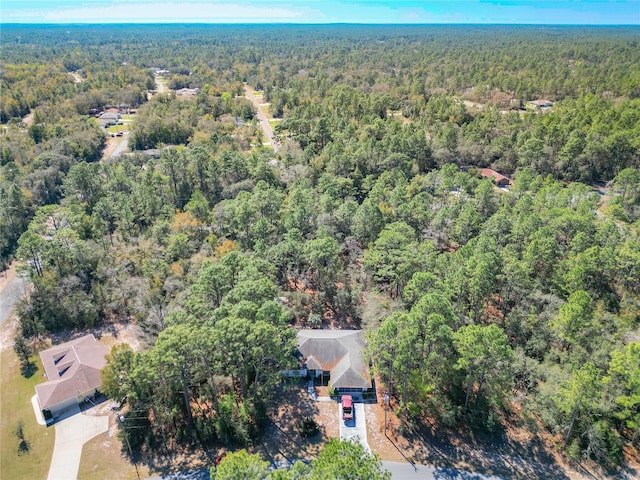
74 372
338 354
108 119
541 103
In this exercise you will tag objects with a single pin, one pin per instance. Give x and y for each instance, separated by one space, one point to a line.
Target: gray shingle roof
338 352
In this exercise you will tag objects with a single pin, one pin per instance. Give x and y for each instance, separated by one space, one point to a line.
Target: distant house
187 92
337 354
541 103
74 373
501 180
108 119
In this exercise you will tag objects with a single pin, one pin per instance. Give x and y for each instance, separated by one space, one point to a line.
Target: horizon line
71 24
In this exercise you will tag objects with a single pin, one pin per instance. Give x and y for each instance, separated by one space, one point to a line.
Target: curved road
264 123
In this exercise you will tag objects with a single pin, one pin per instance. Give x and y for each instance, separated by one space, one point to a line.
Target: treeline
588 139
325 83
57 132
535 306
526 61
49 86
338 459
59 129
172 121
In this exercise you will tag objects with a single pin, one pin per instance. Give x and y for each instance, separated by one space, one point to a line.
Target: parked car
347 408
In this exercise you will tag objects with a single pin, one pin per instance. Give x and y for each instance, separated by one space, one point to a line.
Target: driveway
71 434
355 429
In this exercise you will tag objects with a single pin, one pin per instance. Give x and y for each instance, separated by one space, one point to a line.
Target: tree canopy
370 210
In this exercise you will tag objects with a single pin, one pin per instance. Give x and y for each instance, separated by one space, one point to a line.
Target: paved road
123 143
115 146
399 471
402 471
264 123
10 296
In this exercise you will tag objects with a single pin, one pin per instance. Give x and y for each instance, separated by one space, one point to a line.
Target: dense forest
487 303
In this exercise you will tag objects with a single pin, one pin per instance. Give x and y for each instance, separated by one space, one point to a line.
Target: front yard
282 440
15 401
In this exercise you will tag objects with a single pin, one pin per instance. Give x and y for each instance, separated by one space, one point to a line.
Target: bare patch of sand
118 333
8 332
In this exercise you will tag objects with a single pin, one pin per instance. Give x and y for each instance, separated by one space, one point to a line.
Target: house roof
487 172
188 92
72 368
541 103
109 116
338 352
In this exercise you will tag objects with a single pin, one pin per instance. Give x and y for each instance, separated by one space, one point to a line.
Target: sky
563 12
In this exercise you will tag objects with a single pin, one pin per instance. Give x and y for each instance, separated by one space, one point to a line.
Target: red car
347 408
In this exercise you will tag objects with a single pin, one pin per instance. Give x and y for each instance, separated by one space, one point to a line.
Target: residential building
338 354
74 372
501 180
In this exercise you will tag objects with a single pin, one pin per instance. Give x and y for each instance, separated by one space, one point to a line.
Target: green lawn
265 110
118 128
15 405
102 458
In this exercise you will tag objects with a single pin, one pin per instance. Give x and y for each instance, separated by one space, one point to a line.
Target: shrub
307 427
23 446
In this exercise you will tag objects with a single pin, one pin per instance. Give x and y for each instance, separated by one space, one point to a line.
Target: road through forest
264 123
